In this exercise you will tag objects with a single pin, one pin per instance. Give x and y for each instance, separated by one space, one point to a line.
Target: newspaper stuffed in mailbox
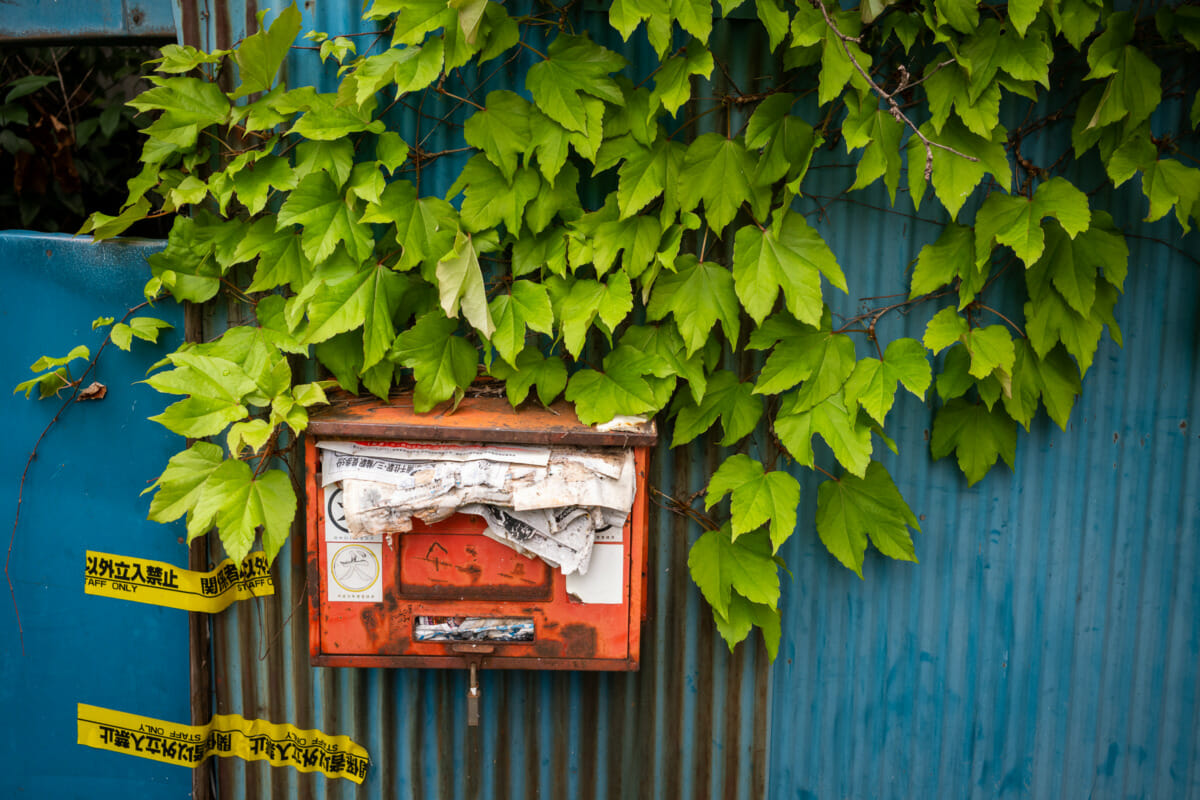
547 502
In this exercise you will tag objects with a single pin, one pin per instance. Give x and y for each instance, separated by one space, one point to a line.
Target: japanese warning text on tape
229 735
161 584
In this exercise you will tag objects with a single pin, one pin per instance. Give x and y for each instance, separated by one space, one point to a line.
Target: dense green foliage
614 233
68 144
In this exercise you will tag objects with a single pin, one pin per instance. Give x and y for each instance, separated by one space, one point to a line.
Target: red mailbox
444 594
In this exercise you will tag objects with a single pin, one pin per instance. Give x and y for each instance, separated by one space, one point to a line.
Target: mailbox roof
477 419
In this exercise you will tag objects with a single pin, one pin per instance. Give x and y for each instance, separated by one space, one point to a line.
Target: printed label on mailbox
354 572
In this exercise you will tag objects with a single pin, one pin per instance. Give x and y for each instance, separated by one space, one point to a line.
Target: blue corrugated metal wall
81 494
1045 646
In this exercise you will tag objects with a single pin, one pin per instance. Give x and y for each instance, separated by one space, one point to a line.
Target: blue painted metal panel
62 20
81 493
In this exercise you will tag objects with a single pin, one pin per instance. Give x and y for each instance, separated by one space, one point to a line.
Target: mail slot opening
473 629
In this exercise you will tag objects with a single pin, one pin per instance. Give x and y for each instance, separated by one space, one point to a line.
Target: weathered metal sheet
481 419
691 723
81 493
214 24
27 21
1047 644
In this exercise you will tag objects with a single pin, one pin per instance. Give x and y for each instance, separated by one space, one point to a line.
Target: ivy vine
617 228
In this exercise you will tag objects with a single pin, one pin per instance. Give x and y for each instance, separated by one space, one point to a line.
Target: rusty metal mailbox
445 590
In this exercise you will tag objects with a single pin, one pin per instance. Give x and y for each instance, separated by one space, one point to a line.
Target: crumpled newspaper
546 502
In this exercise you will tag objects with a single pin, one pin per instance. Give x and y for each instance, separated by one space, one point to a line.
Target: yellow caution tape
228 735
161 584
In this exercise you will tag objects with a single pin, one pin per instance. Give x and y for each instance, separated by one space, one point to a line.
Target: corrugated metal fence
1047 645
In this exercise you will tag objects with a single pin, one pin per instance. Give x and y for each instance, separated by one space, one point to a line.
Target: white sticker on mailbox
354 573
336 529
604 582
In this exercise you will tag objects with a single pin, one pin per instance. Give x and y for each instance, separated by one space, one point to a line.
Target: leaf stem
894 107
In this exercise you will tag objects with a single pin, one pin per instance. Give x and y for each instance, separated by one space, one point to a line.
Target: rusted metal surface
451 569
477 419
691 723
199 632
214 24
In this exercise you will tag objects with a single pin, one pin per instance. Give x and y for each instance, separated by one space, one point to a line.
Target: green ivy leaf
758 498
1017 222
188 105
576 69
990 349
1168 184
851 508
333 157
873 383
527 306
721 566
836 422
790 259
178 487
741 616
698 295
197 417
822 360
946 328
938 264
1055 380
976 434
489 199
532 369
1132 93
726 398
144 328
325 118
460 285
391 151
962 15
672 82
254 184
238 503
716 170
621 389
349 299
326 219
955 177
694 16
260 55
425 228
501 130
879 133
443 364
253 434
626 15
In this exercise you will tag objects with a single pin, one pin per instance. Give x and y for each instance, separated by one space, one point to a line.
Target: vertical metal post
199 630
